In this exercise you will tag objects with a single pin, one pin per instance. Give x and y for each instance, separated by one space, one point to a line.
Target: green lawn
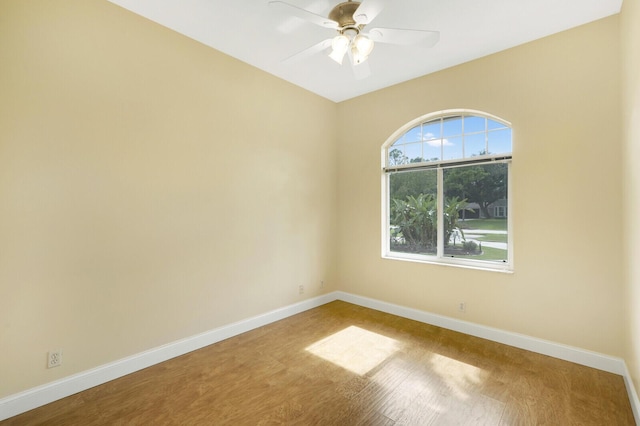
494 238
489 224
488 253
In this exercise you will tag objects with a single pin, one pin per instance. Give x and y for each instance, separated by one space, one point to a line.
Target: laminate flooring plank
473 411
342 364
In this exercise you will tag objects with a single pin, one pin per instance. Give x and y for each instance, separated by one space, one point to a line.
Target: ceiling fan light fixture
337 56
340 43
349 18
356 56
339 46
363 44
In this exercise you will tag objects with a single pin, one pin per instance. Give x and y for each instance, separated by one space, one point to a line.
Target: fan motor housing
343 13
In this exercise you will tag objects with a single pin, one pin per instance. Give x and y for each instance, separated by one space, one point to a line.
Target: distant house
496 209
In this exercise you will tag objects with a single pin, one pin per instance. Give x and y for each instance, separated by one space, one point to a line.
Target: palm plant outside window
446 190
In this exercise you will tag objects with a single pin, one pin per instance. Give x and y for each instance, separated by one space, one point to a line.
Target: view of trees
413 206
483 184
415 220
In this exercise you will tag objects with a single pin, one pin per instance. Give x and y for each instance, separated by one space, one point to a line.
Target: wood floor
341 364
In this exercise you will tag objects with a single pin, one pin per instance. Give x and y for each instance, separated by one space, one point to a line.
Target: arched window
446 190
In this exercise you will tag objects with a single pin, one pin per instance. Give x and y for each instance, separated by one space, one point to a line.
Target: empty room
313 212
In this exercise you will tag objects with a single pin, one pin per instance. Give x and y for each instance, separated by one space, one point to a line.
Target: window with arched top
446 190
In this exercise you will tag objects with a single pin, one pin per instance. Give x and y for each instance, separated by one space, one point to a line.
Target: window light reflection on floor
458 376
355 349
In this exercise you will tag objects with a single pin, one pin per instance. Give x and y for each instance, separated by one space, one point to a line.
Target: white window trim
439 258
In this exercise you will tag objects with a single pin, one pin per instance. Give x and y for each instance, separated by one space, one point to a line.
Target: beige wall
561 94
151 188
630 37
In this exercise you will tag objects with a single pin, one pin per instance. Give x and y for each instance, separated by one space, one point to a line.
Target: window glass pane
413 152
452 148
474 145
492 125
452 126
482 136
431 130
412 212
475 212
432 150
499 141
397 157
413 135
474 124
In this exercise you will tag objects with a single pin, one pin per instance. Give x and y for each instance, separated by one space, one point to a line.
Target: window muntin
453 137
449 172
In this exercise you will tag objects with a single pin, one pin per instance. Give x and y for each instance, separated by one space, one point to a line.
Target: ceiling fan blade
422 38
367 11
303 14
309 51
361 71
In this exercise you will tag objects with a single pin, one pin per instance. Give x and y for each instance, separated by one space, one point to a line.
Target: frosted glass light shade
339 44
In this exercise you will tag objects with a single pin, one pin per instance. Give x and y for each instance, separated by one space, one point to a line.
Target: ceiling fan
349 20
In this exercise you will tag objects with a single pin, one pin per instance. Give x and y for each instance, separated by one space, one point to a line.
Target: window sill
458 263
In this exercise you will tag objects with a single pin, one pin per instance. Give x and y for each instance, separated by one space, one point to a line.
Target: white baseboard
633 395
556 350
41 395
32 398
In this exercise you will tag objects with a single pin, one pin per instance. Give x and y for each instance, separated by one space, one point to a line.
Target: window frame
440 166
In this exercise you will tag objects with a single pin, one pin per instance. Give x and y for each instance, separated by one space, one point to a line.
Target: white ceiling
257 34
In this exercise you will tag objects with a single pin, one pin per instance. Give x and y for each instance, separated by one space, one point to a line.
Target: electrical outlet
54 358
462 307
301 289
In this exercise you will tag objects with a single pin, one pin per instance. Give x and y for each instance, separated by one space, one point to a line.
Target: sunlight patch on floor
460 377
355 349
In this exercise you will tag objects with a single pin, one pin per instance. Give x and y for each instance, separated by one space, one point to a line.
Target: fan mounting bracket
343 14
